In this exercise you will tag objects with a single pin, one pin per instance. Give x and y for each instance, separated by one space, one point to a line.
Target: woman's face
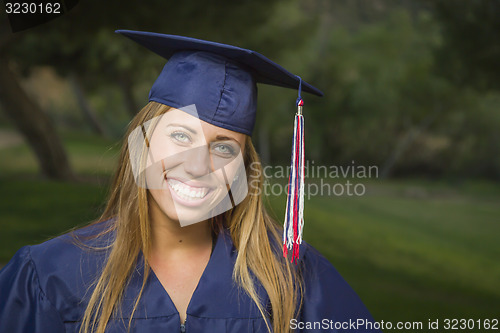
191 165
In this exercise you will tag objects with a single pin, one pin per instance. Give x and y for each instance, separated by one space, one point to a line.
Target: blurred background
411 87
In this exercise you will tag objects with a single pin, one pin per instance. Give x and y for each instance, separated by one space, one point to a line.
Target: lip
190 182
192 202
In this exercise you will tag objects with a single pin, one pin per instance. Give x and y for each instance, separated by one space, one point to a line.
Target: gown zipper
183 325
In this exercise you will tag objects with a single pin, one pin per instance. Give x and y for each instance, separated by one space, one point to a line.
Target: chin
184 216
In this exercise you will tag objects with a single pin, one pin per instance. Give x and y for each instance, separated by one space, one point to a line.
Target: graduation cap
221 81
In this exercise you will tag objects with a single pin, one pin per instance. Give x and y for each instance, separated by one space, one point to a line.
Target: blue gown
45 288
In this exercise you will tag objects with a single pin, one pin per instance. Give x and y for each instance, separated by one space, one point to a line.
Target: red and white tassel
294 215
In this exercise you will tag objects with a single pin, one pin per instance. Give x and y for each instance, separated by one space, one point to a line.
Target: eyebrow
225 138
183 126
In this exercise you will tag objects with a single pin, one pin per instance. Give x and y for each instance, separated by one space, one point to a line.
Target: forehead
188 120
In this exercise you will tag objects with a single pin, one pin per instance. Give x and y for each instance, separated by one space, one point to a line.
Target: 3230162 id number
469 324
32 8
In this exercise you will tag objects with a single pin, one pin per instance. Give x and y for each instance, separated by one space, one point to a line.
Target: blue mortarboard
219 79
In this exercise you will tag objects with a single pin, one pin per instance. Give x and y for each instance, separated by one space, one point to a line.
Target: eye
224 150
180 137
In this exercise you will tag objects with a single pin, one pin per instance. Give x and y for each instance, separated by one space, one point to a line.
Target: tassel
294 214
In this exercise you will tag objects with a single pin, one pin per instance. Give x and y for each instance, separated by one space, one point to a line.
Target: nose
197 162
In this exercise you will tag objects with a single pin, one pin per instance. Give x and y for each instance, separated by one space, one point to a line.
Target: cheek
235 168
231 170
167 151
219 179
161 197
154 176
164 202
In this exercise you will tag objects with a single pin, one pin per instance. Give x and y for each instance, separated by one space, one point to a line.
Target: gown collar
215 296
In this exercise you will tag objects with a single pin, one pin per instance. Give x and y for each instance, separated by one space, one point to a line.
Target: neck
169 238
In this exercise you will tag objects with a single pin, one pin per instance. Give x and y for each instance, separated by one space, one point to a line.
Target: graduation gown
45 288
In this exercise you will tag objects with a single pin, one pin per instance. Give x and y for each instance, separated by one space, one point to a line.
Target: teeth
187 192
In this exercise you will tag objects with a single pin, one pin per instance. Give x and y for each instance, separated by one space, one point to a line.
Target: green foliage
469 53
396 75
381 89
83 40
474 136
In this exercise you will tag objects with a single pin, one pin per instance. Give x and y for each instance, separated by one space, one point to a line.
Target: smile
186 192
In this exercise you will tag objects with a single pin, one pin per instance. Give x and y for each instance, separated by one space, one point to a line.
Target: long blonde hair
252 230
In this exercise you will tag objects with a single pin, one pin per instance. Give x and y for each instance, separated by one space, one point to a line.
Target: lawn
412 249
413 257
34 209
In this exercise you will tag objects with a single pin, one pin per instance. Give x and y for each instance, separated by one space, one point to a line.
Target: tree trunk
34 124
87 110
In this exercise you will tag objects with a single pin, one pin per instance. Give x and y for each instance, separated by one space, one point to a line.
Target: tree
470 49
82 43
34 124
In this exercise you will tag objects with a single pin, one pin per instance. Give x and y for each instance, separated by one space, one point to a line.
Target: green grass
413 258
34 210
412 249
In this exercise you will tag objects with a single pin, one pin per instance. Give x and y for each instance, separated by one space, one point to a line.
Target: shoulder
327 295
61 269
313 267
318 272
24 306
65 249
74 255
312 260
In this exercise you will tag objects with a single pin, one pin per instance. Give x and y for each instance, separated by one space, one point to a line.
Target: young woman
185 243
